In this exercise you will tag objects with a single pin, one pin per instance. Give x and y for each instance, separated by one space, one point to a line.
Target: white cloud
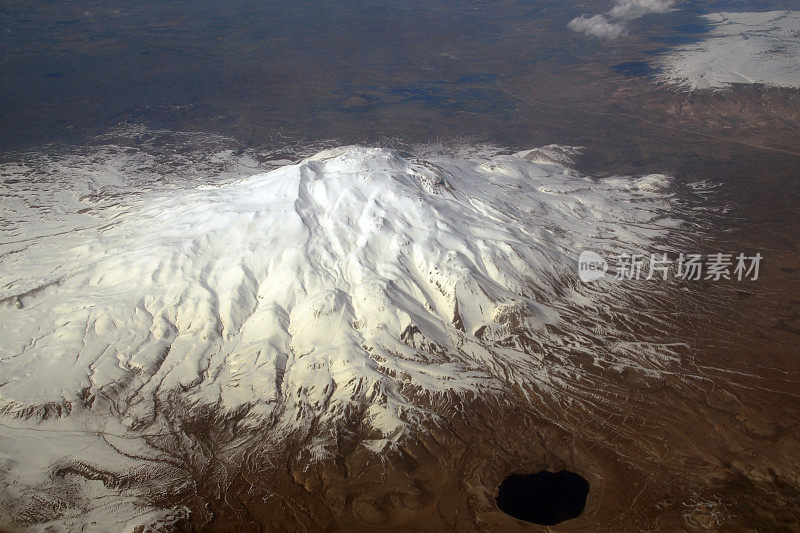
613 23
631 9
597 26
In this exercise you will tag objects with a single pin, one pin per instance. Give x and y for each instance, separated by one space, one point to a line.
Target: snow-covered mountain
360 284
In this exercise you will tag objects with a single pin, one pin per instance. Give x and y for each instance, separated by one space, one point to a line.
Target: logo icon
591 266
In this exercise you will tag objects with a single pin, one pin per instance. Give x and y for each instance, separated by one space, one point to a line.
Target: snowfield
358 280
740 48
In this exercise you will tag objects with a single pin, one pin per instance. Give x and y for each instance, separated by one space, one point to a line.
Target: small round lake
545 498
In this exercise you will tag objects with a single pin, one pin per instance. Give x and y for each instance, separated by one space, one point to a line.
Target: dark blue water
545 498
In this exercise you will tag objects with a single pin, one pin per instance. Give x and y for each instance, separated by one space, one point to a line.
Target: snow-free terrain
359 284
740 48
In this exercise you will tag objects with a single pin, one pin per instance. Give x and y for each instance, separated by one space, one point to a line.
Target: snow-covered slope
741 48
314 284
359 278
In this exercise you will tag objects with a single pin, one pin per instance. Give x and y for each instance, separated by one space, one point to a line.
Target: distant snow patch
741 48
